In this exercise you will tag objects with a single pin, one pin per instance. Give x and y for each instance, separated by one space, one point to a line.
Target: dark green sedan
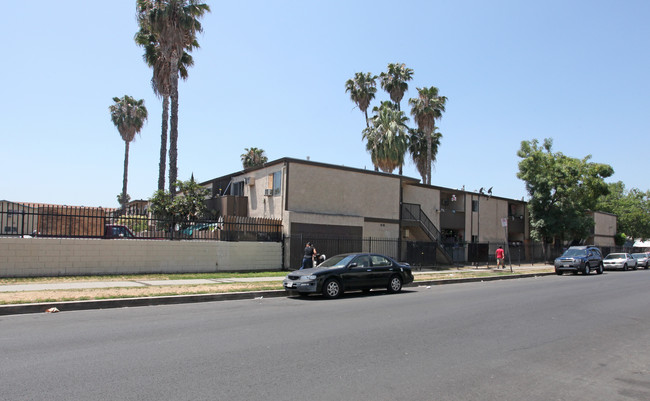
349 272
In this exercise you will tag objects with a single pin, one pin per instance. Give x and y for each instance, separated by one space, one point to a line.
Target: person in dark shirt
308 257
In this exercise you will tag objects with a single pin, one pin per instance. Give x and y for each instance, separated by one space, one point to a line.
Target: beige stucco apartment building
317 199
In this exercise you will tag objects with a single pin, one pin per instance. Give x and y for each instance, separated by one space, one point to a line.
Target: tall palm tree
426 109
418 149
129 116
362 90
253 157
175 24
387 139
395 81
161 85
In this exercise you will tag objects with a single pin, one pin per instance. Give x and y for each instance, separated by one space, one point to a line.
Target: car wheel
395 284
587 269
635 267
600 269
625 267
558 272
331 288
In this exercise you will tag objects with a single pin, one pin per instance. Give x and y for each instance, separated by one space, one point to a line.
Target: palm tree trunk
428 134
126 174
162 166
173 131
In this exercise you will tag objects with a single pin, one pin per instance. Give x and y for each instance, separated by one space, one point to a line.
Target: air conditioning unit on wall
268 192
249 181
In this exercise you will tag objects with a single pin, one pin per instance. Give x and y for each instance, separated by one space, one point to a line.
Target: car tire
332 288
395 284
558 272
600 269
625 267
586 269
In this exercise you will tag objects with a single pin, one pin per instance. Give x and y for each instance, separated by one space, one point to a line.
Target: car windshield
337 261
616 256
572 253
639 255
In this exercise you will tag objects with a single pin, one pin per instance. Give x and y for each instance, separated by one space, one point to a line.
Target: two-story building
318 201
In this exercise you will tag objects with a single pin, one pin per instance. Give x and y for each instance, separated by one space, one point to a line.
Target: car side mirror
355 264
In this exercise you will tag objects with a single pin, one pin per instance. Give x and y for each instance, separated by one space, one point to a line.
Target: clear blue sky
271 75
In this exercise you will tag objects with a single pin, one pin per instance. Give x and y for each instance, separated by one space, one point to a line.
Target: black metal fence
416 253
425 254
39 220
522 253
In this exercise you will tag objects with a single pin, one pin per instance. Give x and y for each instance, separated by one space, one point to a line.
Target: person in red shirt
500 254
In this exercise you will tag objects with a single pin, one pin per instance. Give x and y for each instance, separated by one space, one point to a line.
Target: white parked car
642 259
620 261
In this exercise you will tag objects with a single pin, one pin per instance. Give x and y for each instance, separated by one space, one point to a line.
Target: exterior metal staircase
413 212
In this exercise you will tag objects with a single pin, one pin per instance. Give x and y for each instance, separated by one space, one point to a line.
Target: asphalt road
545 338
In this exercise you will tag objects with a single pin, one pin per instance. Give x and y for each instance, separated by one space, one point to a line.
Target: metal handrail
416 214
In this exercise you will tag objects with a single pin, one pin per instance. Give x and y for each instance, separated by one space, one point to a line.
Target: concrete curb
68 306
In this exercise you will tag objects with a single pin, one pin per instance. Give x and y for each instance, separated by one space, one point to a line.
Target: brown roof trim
405 180
289 160
465 192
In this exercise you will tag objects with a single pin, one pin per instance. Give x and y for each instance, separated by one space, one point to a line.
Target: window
237 188
474 206
275 183
362 261
379 261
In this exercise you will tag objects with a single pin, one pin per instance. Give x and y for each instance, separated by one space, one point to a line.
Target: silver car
642 259
621 261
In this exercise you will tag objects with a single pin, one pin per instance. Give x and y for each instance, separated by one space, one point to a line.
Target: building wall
34 257
491 211
327 190
427 197
260 180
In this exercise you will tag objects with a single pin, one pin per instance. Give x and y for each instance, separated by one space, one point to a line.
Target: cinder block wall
34 257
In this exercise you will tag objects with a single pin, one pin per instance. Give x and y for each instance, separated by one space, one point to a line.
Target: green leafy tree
186 208
426 109
161 84
562 190
174 24
362 90
395 81
136 223
253 157
129 116
632 209
387 138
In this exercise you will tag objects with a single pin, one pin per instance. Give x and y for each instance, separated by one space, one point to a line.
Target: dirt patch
109 293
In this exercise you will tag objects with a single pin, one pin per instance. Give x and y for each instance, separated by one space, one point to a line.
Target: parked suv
580 259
